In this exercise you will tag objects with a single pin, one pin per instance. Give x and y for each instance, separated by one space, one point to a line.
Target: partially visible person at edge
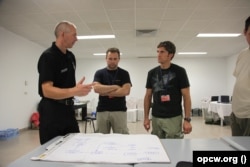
57 85
240 116
168 84
113 84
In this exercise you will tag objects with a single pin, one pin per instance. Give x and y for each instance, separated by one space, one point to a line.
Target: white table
223 109
182 150
177 149
80 115
25 160
241 143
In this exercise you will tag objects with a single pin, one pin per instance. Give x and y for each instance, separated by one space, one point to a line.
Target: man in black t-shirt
167 84
57 85
113 85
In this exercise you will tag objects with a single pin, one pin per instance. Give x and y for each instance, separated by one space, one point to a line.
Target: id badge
165 98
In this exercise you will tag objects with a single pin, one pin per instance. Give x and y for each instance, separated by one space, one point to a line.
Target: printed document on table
108 148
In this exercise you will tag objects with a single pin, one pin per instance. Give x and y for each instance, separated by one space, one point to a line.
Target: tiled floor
29 139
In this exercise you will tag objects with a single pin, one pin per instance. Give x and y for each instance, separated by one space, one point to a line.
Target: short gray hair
63 26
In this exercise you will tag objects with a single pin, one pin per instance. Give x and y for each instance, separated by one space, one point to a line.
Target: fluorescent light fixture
101 54
96 37
192 53
217 35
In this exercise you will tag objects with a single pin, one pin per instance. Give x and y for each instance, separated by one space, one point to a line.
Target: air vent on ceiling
146 32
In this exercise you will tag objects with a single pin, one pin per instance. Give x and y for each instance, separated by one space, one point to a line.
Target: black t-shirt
167 82
112 77
57 67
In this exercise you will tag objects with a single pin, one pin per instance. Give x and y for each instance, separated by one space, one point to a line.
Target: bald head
66 35
63 26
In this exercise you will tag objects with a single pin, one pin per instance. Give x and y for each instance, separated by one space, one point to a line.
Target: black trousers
56 120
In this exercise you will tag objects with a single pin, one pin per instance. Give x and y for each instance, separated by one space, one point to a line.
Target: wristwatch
187 119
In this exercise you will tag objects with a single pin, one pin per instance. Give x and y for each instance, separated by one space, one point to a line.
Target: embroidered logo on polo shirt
64 70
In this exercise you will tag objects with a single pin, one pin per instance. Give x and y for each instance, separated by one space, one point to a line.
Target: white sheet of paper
109 148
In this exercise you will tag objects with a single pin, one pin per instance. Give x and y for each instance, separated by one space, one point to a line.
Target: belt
67 102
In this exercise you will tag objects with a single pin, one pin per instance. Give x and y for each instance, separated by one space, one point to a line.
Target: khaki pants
117 120
167 127
240 126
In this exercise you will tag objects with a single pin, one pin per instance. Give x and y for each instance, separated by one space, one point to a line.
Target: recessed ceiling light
96 37
99 54
192 53
217 35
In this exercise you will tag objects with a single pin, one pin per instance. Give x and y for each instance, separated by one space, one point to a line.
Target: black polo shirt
57 67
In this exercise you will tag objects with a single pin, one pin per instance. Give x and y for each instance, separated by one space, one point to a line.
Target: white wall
18 62
18 59
207 77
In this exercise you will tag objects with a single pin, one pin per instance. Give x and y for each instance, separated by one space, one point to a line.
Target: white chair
91 114
140 109
91 107
207 115
131 109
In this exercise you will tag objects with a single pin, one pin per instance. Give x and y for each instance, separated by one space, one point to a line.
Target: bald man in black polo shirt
57 85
